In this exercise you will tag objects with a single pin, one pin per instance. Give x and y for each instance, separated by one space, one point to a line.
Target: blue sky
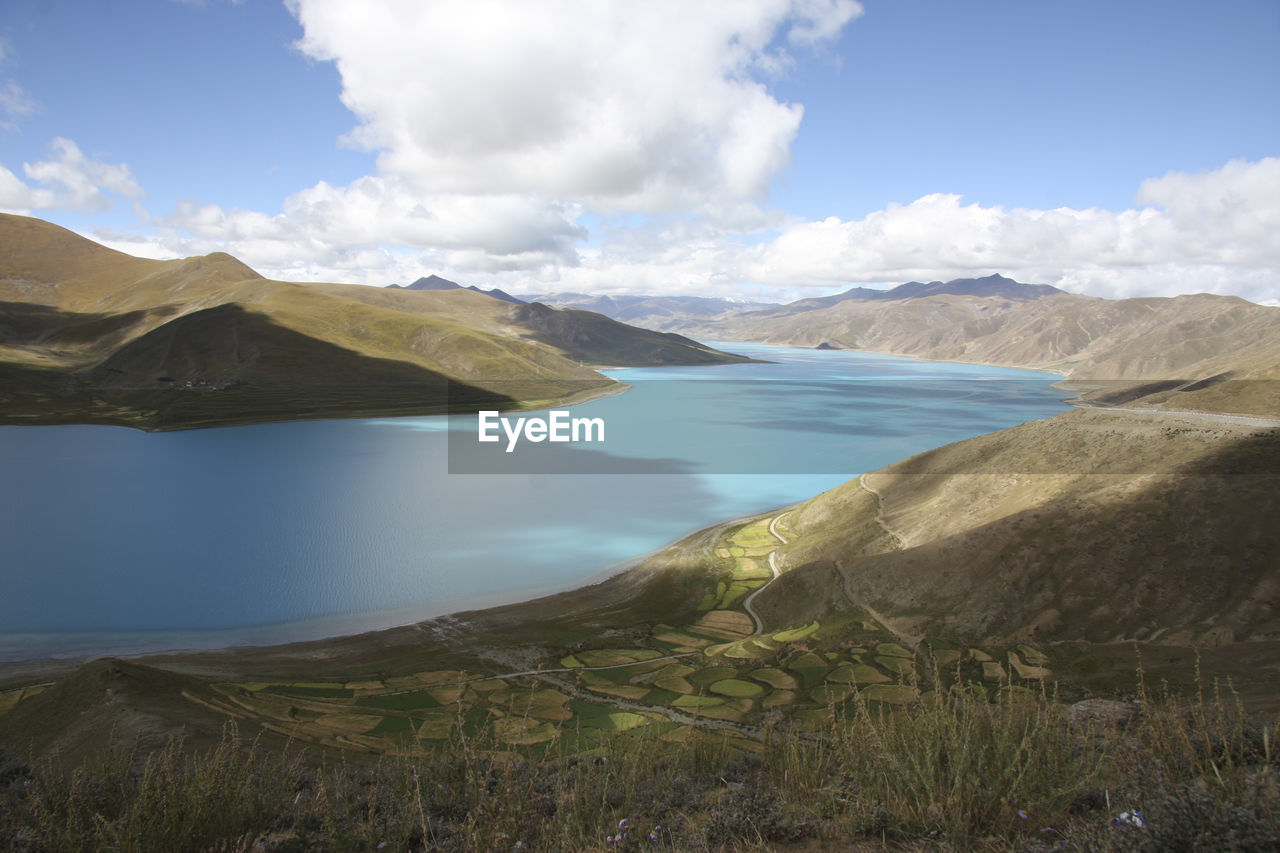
769 148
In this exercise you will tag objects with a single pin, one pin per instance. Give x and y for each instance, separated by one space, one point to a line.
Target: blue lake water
118 541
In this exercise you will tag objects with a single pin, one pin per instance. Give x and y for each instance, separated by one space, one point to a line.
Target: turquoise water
118 541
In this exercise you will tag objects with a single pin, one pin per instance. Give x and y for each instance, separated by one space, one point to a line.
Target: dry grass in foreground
959 772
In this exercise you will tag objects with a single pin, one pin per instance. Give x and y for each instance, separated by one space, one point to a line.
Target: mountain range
1195 352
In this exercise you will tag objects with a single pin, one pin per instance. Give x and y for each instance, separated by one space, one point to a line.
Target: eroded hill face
1134 349
1094 526
96 335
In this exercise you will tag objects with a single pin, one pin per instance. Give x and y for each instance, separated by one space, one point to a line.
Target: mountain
431 282
671 313
1166 352
661 313
95 335
592 335
991 286
435 282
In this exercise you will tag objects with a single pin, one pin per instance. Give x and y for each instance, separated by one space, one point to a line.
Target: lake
118 541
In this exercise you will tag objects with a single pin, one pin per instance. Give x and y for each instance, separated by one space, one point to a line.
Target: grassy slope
582 336
94 335
110 700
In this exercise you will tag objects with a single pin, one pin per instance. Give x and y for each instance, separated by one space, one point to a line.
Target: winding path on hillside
1209 417
902 540
848 584
748 604
548 676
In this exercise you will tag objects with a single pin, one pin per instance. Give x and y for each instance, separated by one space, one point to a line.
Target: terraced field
712 676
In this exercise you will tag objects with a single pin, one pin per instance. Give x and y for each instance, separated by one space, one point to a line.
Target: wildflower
622 824
1131 818
654 833
1022 814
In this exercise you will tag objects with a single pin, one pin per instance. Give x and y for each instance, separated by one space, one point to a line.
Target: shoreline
1056 371
16 668
608 388
261 639
610 586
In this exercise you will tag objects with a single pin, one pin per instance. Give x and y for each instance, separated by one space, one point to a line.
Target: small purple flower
622 824
1022 814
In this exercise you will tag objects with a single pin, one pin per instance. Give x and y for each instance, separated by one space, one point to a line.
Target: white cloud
618 105
1231 215
330 226
499 125
68 180
1215 232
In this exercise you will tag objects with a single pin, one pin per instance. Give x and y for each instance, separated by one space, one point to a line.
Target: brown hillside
1088 526
1127 343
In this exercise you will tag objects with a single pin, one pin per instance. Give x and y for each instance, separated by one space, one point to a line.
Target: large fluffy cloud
648 107
1211 232
499 125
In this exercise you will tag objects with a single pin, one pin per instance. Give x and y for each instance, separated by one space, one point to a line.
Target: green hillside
94 335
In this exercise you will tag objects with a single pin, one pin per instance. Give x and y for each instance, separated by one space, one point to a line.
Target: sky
756 149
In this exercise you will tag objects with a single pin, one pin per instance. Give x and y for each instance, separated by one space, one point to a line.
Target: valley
1039 569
